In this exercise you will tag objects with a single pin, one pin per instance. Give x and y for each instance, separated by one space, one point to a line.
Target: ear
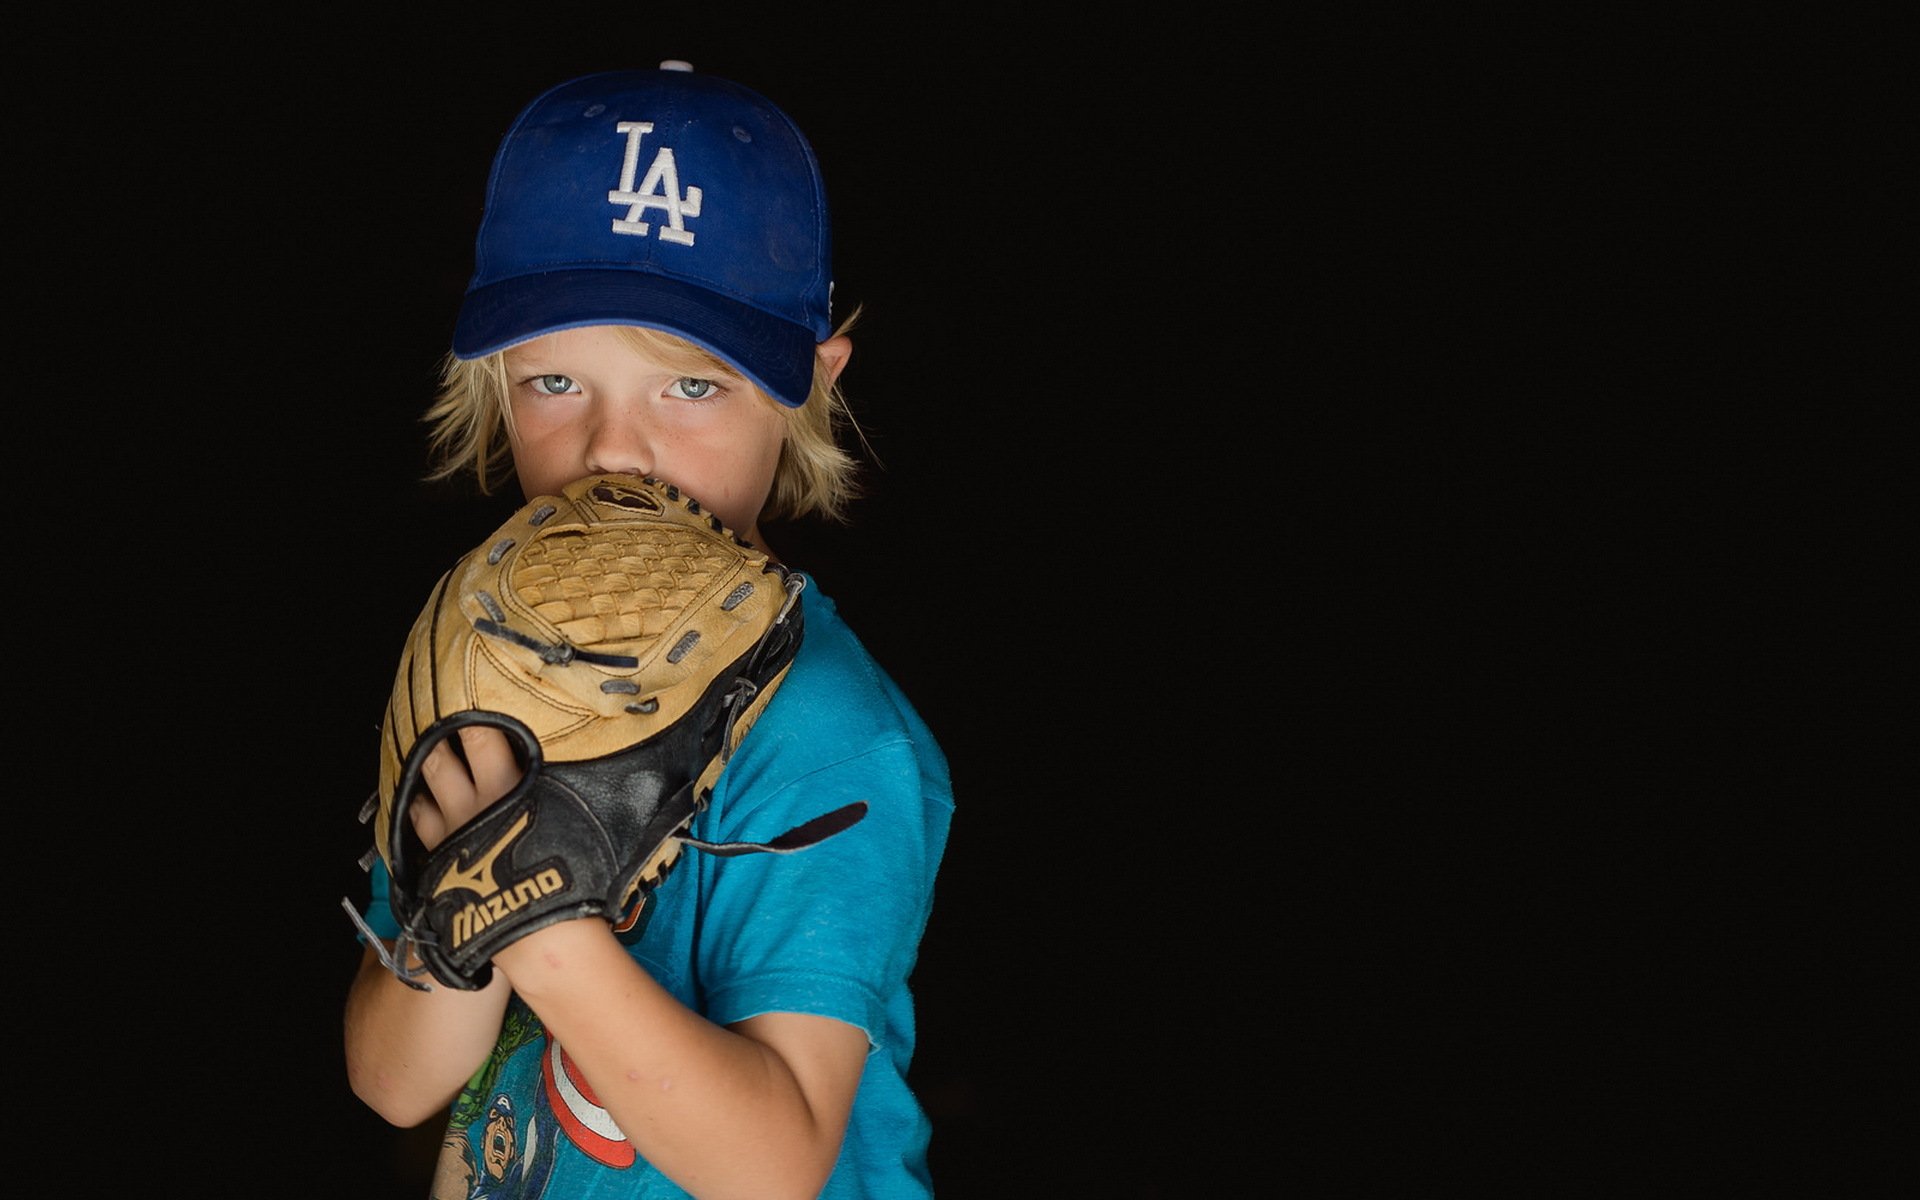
834 353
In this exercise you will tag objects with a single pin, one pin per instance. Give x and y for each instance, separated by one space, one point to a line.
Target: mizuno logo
478 916
495 902
477 875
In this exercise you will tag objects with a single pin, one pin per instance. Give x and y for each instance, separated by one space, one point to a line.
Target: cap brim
775 354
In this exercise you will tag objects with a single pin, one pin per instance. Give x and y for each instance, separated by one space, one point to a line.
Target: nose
618 442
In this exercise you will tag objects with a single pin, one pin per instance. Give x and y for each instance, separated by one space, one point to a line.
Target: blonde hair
470 425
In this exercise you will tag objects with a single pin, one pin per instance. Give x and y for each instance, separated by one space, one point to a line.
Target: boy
651 296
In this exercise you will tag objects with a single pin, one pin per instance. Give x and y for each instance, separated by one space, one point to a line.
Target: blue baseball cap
662 198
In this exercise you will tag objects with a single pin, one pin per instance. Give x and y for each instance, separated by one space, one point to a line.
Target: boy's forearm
719 1113
408 1051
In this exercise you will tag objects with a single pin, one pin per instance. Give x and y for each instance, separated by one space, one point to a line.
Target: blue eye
554 385
690 388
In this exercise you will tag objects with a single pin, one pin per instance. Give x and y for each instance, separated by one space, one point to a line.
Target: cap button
675 64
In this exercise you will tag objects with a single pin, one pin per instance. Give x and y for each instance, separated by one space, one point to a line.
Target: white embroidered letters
660 189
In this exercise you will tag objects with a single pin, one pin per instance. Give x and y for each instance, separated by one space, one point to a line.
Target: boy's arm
756 1109
408 1051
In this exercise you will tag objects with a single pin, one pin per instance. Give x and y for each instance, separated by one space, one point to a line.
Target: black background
1340 499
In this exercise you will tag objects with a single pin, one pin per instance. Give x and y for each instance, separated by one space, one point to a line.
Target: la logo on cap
663 174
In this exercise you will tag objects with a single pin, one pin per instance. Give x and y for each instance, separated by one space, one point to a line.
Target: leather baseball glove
625 641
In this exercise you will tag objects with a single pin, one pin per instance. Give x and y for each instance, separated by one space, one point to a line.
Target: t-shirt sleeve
832 929
379 912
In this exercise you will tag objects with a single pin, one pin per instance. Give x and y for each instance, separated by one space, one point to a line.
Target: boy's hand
457 790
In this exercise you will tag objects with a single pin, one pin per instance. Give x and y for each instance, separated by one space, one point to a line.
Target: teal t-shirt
832 930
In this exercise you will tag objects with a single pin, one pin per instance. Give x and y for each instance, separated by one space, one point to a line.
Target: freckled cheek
756 468
543 463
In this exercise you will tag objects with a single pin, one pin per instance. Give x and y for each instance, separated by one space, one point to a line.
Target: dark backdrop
1299 443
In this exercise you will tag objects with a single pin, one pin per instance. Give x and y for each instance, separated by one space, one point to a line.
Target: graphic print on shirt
509 1121
586 1124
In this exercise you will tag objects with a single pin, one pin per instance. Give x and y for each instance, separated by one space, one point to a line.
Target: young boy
651 296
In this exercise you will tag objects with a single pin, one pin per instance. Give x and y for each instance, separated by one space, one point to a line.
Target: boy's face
585 402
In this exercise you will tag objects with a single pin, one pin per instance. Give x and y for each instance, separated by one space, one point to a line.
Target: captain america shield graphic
581 1118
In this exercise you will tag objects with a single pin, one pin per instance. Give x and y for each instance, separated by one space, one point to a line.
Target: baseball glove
625 641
